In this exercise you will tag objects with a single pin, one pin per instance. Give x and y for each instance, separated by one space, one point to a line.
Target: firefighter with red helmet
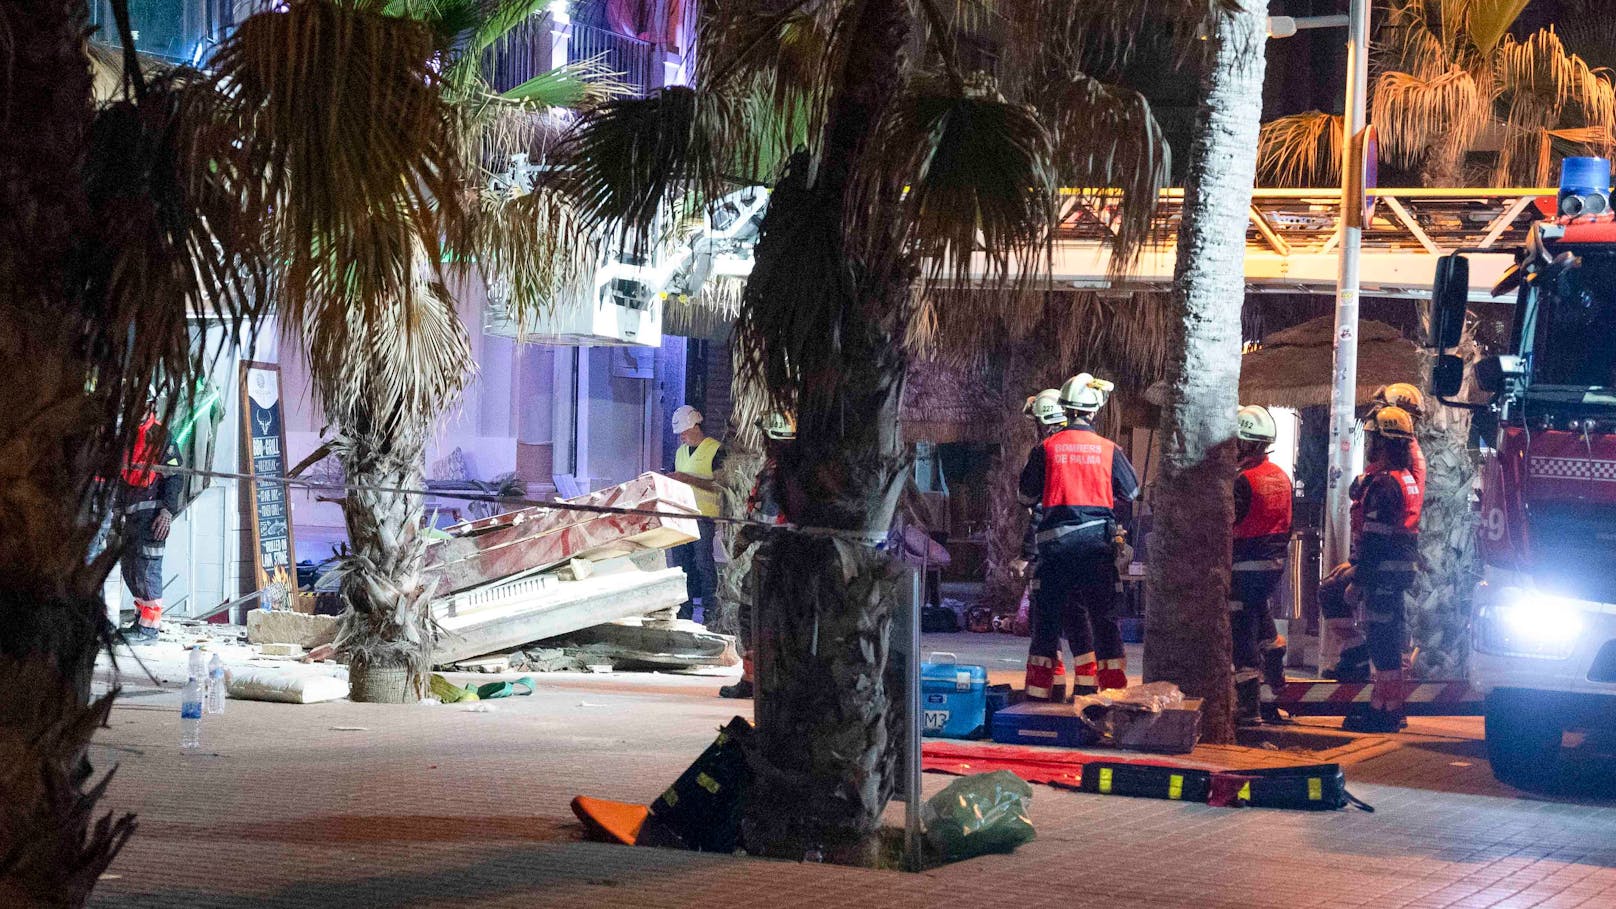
1385 556
1080 479
148 499
1262 533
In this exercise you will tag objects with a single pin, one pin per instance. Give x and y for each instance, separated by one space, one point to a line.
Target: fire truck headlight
1528 623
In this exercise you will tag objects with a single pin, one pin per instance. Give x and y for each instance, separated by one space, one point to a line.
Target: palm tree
915 156
1187 625
1452 77
274 178
385 369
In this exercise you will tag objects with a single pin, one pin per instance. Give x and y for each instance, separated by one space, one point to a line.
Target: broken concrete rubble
538 573
516 543
505 616
283 627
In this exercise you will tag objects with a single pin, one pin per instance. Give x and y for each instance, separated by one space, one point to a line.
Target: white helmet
1084 393
686 417
1256 425
782 427
1046 408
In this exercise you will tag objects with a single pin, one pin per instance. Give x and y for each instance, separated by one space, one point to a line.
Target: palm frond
1490 20
981 188
628 158
1107 140
176 238
1413 114
801 282
535 250
1300 150
357 145
416 352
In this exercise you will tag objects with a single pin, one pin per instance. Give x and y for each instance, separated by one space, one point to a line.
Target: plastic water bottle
191 704
214 702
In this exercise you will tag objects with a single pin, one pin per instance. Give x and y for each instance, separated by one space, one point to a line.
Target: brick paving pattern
348 805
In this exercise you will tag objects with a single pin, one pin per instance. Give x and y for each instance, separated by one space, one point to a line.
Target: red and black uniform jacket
1262 516
1386 549
140 482
1077 477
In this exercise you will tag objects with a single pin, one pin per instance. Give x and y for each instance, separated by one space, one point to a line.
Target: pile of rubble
545 589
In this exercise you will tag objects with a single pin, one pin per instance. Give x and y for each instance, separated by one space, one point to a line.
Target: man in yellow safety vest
694 463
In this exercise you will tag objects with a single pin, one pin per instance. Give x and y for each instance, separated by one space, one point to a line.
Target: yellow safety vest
699 463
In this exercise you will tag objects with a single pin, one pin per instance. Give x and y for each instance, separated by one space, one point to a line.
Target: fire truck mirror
1447 375
1450 294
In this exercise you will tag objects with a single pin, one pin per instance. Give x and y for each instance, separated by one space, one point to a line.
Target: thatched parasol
1292 368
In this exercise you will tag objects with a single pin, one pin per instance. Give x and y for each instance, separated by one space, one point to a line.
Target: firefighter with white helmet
1045 411
1262 532
1080 479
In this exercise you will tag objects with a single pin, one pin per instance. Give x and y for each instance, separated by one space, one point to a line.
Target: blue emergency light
1584 186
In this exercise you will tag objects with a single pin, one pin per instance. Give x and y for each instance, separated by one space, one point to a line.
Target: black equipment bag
1151 781
703 807
1315 787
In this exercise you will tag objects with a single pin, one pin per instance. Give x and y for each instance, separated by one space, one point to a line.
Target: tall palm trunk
1187 625
52 617
1439 604
386 632
824 753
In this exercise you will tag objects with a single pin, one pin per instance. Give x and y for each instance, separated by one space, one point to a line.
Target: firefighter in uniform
1409 398
764 505
1385 558
1079 478
1262 532
148 499
1338 597
1045 411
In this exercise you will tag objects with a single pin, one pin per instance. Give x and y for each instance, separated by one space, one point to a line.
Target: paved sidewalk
350 805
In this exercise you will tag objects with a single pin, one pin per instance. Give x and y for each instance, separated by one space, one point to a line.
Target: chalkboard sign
264 453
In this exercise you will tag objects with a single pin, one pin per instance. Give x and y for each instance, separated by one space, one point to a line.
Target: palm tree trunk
386 632
52 619
1439 604
824 755
1187 625
1443 166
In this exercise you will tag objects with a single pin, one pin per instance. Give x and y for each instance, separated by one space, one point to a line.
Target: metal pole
912 854
1344 387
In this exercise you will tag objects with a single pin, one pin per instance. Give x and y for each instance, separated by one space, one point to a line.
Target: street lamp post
1344 369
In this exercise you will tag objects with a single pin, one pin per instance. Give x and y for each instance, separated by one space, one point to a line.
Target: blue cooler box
1042 723
953 697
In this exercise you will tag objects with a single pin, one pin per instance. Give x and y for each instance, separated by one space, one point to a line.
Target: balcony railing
629 57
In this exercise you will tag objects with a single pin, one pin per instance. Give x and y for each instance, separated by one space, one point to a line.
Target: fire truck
1543 632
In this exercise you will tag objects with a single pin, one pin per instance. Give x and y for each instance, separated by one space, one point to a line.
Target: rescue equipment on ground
953 697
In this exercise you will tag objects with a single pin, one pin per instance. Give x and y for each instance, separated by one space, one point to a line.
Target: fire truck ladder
1293 237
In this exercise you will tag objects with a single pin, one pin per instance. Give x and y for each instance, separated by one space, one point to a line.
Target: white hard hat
1084 393
685 418
1046 408
1256 424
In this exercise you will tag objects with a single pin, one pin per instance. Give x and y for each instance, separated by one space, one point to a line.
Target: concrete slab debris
281 627
508 545
504 616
